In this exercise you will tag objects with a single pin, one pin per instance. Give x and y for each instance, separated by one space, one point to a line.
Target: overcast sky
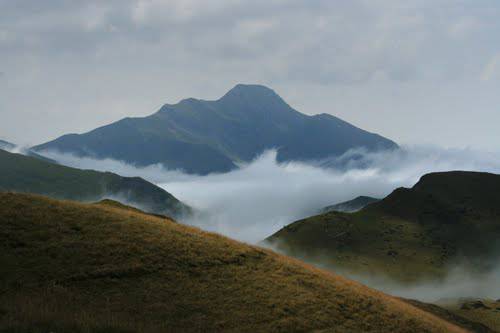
414 71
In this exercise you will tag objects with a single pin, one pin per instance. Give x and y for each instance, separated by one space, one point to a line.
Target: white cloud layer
255 201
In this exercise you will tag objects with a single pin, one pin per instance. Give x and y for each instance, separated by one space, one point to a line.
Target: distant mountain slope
201 136
5 145
71 267
8 146
351 206
445 219
21 173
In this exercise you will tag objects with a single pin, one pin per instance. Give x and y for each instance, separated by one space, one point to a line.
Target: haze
257 200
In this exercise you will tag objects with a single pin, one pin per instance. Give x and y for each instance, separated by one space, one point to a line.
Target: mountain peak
251 92
240 94
242 88
204 136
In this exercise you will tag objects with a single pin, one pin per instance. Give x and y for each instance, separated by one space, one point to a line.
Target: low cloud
459 282
255 201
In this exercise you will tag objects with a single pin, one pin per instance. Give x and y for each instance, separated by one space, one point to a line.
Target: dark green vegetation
73 267
201 136
446 219
350 206
21 173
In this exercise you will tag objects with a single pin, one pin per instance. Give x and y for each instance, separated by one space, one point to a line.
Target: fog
461 281
258 199
251 203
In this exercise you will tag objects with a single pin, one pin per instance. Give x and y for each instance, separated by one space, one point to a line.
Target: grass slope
27 174
445 219
73 267
470 320
485 311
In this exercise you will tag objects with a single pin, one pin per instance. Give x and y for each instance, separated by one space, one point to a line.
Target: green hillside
73 267
21 173
445 219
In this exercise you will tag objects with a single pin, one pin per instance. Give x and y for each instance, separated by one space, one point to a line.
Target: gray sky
414 71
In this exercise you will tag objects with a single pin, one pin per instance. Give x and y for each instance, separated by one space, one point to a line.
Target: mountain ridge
350 206
202 136
6 145
20 173
446 219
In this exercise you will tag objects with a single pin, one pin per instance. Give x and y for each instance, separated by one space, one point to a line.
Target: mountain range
447 218
20 173
200 136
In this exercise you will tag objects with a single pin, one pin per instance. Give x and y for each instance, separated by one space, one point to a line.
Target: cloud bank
255 201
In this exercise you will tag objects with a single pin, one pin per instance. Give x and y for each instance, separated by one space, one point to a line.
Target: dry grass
72 267
364 244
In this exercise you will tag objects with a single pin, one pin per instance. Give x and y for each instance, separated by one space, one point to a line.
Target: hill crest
414 234
22 173
68 266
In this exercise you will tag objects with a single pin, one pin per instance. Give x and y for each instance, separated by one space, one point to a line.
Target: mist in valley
261 197
253 202
461 281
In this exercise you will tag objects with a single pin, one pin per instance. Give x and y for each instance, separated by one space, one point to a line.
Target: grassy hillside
27 174
202 136
73 267
473 323
485 311
445 219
